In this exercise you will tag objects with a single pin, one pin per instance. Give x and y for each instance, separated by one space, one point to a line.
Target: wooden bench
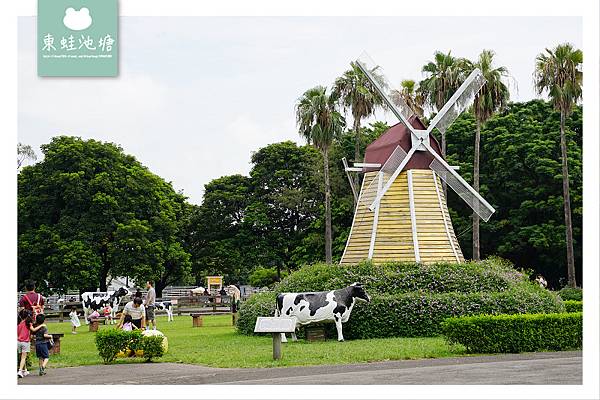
94 323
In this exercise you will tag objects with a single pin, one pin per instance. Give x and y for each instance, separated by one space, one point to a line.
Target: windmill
401 212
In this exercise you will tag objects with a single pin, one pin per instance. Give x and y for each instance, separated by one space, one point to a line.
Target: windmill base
411 223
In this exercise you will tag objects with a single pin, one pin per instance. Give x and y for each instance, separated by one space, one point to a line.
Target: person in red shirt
23 341
32 301
107 312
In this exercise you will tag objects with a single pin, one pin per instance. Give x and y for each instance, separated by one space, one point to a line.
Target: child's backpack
36 308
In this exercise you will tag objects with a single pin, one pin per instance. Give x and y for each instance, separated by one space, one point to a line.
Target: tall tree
522 176
558 72
443 76
216 234
24 152
357 94
287 198
411 94
319 122
88 211
490 98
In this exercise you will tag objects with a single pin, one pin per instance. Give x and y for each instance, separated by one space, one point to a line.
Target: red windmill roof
381 149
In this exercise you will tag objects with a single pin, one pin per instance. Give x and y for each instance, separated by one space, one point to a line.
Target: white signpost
276 326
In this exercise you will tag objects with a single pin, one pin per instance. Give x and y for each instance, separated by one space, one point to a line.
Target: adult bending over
136 310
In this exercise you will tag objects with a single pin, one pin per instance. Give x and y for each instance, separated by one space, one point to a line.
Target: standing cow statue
95 301
307 308
167 307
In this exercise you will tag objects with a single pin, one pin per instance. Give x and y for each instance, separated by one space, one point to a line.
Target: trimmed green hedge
515 333
571 294
573 306
409 299
420 313
110 342
491 275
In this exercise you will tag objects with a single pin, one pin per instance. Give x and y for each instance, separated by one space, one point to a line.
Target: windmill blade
392 163
376 76
460 186
395 174
460 100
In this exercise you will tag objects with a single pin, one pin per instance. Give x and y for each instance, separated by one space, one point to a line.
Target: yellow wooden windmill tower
401 212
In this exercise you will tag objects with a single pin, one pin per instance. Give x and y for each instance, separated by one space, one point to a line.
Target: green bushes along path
516 333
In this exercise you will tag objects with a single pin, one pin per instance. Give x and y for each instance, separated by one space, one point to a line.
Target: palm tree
558 72
320 123
412 96
357 94
491 97
443 77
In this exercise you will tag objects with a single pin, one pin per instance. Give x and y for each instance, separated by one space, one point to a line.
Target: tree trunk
105 268
327 207
158 287
103 276
357 153
476 255
567 204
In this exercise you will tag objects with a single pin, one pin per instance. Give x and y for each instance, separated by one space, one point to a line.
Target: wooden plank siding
394 240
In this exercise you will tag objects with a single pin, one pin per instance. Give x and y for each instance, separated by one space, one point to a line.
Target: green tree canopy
521 177
89 211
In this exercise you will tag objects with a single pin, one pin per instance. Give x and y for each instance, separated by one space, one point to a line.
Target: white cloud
77 20
196 96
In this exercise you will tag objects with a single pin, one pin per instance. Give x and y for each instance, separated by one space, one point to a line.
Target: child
94 315
23 341
74 320
42 338
128 323
106 311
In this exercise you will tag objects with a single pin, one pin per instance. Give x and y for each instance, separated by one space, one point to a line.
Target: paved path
528 369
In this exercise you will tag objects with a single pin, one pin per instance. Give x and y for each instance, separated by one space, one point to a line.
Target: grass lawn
217 344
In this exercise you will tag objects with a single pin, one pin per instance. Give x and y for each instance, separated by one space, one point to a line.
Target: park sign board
274 325
77 38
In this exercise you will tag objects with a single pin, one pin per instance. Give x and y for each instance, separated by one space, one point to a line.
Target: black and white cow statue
166 306
95 301
307 308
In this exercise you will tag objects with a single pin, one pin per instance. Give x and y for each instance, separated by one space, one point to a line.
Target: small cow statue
307 308
95 301
166 306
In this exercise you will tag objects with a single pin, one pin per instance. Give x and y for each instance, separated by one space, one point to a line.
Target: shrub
259 305
409 299
111 342
571 294
152 346
492 274
515 333
573 306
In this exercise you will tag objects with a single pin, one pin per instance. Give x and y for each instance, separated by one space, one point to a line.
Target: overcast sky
196 96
